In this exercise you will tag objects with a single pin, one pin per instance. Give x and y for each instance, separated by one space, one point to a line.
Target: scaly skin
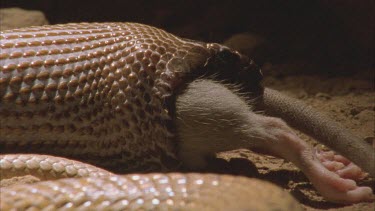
99 92
150 192
46 167
78 89
97 189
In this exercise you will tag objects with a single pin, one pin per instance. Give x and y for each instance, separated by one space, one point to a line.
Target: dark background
329 34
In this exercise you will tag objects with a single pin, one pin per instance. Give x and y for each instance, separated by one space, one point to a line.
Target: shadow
235 166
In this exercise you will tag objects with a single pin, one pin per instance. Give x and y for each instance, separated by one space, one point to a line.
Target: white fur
211 118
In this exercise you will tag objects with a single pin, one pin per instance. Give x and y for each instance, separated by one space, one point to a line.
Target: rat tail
317 125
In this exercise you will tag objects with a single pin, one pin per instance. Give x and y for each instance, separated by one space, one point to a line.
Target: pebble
354 111
370 140
323 96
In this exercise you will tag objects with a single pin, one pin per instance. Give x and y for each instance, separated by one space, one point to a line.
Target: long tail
313 123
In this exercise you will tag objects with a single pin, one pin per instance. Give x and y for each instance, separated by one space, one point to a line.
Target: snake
85 106
76 99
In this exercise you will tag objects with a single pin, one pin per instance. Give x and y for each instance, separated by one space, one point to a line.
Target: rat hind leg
332 175
211 118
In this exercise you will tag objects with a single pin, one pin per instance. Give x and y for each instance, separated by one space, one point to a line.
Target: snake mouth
232 67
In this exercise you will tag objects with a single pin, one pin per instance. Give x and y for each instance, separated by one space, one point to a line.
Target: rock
365 116
301 94
370 140
11 18
354 111
323 96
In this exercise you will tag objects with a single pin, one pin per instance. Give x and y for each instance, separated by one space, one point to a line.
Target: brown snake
80 91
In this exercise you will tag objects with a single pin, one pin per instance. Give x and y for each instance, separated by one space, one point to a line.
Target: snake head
235 68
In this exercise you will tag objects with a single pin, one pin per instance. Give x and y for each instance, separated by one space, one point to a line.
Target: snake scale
105 94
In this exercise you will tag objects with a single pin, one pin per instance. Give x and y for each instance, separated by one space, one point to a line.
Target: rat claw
333 165
339 164
352 171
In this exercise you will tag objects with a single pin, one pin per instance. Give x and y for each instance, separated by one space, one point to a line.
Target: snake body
150 192
80 90
103 93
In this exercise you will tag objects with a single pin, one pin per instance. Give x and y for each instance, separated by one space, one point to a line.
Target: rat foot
332 175
339 164
332 185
